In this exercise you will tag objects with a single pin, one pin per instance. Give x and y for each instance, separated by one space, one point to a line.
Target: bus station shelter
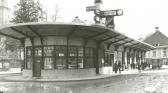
57 50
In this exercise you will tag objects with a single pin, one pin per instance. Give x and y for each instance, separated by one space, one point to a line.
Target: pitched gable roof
157 38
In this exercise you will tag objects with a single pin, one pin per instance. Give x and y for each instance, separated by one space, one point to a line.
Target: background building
160 54
4 12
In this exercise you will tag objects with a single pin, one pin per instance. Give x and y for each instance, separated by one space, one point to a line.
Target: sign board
109 13
91 8
112 12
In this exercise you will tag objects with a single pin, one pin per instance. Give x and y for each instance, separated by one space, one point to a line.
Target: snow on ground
12 70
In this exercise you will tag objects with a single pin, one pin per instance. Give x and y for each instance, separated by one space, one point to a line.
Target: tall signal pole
97 12
108 14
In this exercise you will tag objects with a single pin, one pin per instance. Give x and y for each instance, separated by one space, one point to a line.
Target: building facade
160 54
4 12
75 50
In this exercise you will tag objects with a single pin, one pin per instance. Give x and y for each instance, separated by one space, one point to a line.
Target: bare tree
56 15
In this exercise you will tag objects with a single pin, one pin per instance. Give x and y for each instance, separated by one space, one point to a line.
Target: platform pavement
20 78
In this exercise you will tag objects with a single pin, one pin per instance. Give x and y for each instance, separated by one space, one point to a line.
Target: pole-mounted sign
108 14
91 8
117 12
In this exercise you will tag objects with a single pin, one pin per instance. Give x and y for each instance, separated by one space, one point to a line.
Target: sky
139 16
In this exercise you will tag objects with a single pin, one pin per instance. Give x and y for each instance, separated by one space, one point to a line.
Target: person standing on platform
116 67
119 66
139 67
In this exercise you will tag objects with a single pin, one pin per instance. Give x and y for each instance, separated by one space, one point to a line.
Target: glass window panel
164 52
87 52
28 53
61 54
80 52
38 51
60 62
154 53
48 63
80 62
29 63
72 62
6 65
60 50
48 51
72 51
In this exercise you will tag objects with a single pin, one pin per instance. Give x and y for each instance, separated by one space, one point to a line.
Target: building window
89 57
49 51
60 52
38 51
48 63
48 57
55 57
72 61
80 57
164 52
29 63
29 57
154 53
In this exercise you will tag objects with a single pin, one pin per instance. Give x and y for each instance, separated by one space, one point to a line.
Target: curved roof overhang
96 32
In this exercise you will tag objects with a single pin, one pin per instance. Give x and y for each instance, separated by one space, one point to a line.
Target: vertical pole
97 5
67 55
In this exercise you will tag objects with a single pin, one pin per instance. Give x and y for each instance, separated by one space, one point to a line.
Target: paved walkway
20 78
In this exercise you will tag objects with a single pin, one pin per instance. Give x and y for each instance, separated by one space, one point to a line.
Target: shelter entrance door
112 59
38 67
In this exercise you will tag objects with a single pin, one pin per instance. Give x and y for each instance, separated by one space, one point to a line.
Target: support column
128 58
24 65
116 50
36 71
135 56
84 53
42 50
67 53
123 58
96 63
33 57
55 67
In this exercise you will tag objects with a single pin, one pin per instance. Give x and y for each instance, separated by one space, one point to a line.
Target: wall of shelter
53 54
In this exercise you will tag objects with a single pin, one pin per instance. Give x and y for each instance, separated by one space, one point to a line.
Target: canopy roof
96 32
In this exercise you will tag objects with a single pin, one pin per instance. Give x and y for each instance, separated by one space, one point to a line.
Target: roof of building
96 32
157 39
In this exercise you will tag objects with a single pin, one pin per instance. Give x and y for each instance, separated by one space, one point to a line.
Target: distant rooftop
157 38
